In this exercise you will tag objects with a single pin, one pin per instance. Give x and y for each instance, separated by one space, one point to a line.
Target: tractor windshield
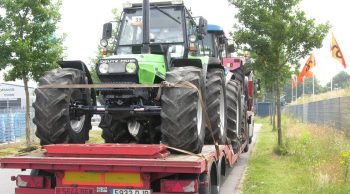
165 26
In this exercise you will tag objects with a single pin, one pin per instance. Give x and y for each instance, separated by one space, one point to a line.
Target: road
6 185
230 184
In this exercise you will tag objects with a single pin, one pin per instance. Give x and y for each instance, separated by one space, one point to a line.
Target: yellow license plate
103 179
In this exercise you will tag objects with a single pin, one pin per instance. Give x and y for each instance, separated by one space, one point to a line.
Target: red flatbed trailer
120 169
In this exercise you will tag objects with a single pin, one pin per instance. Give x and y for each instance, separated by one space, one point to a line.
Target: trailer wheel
216 106
114 131
233 93
182 113
53 117
246 148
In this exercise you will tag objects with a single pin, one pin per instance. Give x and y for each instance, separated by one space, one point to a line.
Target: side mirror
202 28
258 86
107 31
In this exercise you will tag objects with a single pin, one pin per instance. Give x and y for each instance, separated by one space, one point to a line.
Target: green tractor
156 42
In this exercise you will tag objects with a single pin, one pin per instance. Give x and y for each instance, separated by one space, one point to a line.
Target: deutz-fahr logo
118 61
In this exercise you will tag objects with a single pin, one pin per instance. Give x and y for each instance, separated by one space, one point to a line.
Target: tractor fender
81 66
214 63
191 62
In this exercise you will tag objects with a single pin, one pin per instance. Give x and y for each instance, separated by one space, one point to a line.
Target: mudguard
81 66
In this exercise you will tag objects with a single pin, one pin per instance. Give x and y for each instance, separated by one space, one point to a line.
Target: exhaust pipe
145 21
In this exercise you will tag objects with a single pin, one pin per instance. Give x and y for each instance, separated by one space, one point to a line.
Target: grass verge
19 148
315 160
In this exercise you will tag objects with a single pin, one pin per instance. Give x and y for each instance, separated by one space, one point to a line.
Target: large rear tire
216 106
114 131
53 118
182 112
233 113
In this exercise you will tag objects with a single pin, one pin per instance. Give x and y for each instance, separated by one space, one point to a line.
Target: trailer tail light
27 181
179 186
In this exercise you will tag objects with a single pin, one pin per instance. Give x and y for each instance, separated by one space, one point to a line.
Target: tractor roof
215 29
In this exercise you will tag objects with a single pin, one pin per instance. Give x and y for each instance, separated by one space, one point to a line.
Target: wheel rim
222 112
199 117
77 125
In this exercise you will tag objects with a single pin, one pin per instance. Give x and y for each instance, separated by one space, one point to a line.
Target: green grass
20 147
312 162
95 136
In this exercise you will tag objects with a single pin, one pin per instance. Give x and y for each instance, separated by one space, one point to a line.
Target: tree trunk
28 135
279 127
274 109
271 106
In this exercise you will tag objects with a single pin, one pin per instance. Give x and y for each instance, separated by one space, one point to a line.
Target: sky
82 21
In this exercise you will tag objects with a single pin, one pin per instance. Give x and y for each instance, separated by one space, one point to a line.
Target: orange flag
336 52
310 63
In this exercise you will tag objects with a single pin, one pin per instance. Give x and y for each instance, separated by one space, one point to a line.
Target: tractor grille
116 68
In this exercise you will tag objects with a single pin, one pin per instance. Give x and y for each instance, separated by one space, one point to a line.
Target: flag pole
313 85
296 92
332 83
303 86
292 89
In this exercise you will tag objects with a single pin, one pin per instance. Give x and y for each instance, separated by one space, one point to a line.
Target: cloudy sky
82 21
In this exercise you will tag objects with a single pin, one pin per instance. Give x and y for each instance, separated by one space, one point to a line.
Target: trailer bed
174 163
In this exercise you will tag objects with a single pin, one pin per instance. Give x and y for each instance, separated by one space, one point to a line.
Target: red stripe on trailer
105 164
107 150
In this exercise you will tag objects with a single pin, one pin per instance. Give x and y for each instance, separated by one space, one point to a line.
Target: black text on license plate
72 190
130 191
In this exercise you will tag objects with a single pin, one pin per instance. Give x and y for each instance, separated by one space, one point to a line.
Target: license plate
72 190
130 191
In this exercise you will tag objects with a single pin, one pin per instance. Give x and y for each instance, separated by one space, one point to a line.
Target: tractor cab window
209 44
165 26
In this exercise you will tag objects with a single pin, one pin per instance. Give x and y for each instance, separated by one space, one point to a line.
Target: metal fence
12 124
332 112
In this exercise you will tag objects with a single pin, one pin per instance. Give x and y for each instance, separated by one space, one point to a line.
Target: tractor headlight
192 38
103 68
131 68
104 42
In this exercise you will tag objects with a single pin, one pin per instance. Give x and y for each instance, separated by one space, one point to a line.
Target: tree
341 80
279 33
28 45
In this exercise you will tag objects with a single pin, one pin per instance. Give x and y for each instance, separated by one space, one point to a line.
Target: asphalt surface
230 184
6 185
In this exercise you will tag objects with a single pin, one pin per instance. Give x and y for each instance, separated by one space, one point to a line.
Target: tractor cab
165 28
215 42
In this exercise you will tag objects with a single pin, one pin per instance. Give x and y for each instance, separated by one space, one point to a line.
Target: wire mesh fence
12 124
333 112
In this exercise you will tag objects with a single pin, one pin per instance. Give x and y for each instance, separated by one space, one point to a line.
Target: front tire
182 112
233 114
53 118
216 106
